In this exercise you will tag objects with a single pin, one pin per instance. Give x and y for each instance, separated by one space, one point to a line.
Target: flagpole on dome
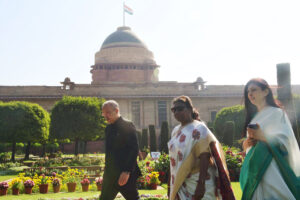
127 10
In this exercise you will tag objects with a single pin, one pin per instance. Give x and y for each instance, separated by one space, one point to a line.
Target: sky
226 42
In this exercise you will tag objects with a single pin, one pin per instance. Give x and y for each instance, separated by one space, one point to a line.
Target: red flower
182 138
173 162
229 152
161 173
196 134
180 155
147 163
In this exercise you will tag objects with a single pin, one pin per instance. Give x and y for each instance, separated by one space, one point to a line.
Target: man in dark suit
121 150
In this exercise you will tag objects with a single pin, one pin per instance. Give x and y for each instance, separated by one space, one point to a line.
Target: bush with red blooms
234 159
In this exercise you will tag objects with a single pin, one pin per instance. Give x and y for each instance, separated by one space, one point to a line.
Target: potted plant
71 176
99 181
3 188
56 182
28 185
153 180
43 183
85 184
16 185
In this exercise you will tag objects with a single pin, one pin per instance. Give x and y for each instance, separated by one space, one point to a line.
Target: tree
234 113
152 138
164 137
139 137
23 122
77 119
144 144
228 134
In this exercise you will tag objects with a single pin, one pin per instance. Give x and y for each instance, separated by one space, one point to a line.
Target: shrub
144 139
5 156
139 138
164 137
228 134
162 165
20 148
152 138
234 113
3 147
234 159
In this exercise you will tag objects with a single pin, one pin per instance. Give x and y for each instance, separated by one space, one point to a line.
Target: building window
136 113
162 112
213 115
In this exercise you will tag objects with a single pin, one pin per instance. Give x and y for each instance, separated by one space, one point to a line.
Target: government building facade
125 70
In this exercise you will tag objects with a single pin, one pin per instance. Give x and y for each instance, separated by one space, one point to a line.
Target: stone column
285 94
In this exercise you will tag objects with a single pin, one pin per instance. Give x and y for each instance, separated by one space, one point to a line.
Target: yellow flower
16 183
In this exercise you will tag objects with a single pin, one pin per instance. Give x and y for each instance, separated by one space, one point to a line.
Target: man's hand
123 178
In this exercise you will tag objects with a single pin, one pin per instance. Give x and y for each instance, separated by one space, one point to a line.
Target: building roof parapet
120 96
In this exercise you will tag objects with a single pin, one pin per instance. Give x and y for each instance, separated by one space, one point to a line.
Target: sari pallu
255 165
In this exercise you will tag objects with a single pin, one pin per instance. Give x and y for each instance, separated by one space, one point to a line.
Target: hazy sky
223 41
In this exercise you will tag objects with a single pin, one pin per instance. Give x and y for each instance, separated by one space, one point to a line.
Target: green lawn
36 196
6 177
237 190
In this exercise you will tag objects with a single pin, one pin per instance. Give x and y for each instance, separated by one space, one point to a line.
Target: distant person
197 164
121 150
272 161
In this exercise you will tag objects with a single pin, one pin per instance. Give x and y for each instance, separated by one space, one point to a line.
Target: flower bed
153 172
234 160
59 181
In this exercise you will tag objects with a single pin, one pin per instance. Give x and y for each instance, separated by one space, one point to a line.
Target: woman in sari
272 164
197 166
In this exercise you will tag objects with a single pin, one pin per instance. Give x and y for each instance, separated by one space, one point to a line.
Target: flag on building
128 10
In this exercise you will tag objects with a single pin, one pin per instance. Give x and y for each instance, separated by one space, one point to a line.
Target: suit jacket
121 151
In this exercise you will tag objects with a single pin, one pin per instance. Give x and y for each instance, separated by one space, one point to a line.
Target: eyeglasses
178 108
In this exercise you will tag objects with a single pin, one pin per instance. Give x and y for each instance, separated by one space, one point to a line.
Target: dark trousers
129 190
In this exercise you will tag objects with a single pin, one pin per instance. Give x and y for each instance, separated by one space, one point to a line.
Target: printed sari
185 146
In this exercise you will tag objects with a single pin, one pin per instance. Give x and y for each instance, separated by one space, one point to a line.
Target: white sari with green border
280 136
